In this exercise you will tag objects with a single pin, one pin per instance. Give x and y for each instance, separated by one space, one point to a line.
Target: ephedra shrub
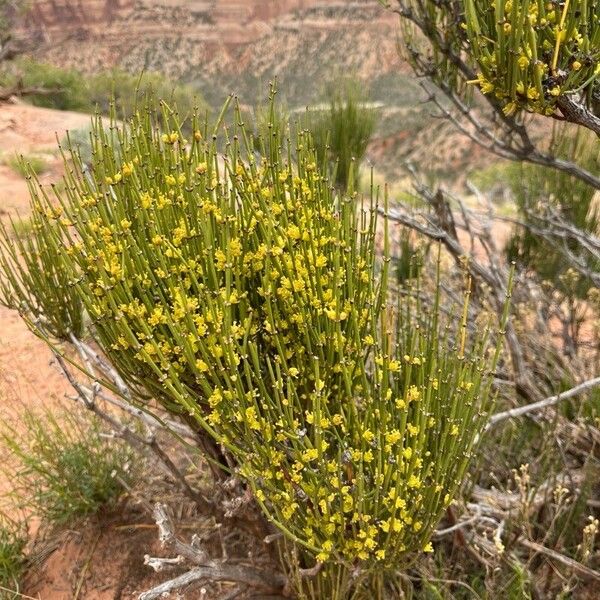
250 297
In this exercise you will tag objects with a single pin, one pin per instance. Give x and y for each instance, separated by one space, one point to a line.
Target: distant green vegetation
126 89
22 228
68 89
342 131
27 163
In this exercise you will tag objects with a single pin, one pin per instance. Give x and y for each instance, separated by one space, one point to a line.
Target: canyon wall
192 39
61 15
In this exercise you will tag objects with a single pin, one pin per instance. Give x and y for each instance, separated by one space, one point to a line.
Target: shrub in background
63 467
23 164
341 132
251 298
64 89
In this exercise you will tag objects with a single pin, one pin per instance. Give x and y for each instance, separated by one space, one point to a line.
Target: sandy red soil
25 373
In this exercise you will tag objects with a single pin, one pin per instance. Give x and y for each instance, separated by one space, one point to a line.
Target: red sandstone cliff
65 14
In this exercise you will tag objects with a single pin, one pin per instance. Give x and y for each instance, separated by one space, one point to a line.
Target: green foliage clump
63 468
249 296
68 89
531 53
13 539
64 89
342 131
23 165
527 55
123 90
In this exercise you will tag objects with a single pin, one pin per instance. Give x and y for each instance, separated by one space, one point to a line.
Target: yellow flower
393 436
289 510
201 366
400 503
414 393
510 109
321 261
412 429
127 169
251 418
337 419
293 232
310 455
414 482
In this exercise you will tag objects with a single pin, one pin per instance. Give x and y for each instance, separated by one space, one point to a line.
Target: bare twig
572 564
209 569
542 404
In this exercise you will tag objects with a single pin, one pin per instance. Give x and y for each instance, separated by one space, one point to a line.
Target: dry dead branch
270 582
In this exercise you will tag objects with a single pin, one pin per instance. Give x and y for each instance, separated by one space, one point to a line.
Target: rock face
196 40
56 17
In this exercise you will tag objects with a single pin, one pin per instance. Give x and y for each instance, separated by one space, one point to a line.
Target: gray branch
542 404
